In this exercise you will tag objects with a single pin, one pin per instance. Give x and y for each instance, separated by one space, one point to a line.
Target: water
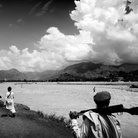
52 98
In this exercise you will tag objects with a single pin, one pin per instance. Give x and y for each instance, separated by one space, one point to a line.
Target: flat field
60 98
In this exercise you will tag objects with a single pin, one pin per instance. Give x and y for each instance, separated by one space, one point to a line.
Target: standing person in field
93 89
9 103
97 125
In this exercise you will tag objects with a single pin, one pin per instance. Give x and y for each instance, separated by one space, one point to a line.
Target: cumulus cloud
26 61
114 32
106 35
69 47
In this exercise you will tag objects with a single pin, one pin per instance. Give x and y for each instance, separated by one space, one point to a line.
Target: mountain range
85 71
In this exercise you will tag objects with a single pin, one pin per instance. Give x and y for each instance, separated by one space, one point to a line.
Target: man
9 103
93 89
96 125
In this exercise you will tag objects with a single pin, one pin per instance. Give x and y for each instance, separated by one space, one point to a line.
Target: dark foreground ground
31 124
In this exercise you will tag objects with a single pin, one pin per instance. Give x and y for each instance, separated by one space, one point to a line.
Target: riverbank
32 124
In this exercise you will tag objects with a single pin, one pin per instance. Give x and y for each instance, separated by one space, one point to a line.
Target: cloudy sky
38 35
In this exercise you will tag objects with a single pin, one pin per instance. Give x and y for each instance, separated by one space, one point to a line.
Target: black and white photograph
69 68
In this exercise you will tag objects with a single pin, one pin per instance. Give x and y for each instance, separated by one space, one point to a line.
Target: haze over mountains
12 74
85 71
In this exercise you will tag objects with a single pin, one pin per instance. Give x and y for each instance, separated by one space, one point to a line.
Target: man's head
102 99
9 89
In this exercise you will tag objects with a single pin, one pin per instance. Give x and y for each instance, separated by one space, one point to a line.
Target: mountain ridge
81 71
88 71
12 74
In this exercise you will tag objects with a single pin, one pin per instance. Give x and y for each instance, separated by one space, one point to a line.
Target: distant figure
96 125
93 89
9 103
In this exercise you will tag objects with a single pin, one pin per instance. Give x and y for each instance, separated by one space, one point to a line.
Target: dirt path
26 126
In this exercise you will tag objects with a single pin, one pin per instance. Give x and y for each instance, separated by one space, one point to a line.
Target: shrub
40 114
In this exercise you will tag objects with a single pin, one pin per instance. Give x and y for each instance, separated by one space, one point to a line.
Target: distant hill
82 67
85 71
89 66
50 74
12 74
129 67
88 71
45 75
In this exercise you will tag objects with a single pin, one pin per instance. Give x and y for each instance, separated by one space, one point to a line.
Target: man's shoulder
90 115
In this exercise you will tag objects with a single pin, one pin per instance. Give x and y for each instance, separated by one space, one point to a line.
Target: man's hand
73 115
